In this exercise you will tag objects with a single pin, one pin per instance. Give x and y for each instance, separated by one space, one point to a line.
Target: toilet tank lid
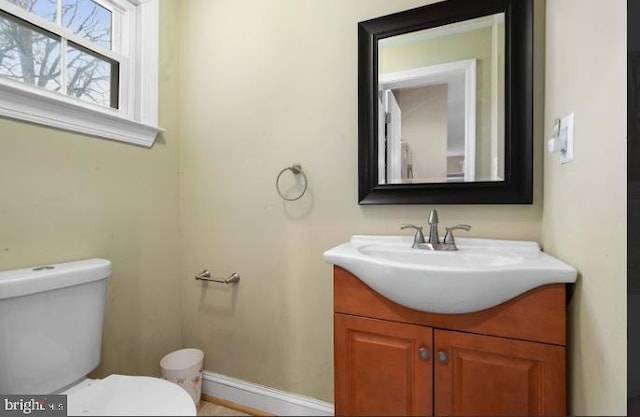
33 280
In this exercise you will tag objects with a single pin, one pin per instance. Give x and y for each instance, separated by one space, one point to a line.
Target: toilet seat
120 395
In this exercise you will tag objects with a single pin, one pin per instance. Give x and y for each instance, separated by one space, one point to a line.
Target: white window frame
136 119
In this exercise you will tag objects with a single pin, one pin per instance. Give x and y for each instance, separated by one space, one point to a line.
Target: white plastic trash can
184 367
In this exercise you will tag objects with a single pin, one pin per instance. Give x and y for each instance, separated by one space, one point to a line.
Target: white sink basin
481 274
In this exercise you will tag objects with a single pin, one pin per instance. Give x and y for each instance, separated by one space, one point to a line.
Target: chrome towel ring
297 170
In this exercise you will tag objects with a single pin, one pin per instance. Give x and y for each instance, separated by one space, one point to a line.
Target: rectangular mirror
445 104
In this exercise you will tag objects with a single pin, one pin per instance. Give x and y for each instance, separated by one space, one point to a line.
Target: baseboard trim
263 398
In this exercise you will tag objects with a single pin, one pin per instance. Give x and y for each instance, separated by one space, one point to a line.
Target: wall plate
566 132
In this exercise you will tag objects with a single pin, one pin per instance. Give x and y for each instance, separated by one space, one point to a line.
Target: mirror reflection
441 104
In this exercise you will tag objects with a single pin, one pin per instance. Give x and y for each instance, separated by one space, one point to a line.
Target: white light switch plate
566 129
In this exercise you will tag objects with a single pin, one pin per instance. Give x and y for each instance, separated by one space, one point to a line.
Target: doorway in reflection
441 104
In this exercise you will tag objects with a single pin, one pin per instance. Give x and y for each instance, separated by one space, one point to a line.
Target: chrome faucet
433 242
434 238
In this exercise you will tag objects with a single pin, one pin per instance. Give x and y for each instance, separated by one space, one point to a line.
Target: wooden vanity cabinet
378 369
390 360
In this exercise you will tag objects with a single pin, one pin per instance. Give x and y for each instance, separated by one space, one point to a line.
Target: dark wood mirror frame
517 188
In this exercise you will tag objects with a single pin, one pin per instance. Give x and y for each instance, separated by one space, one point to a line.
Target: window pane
89 20
28 54
43 8
91 77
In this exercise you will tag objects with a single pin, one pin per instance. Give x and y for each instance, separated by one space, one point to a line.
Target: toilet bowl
121 395
51 330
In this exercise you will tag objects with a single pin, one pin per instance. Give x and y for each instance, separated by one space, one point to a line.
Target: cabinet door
381 367
483 375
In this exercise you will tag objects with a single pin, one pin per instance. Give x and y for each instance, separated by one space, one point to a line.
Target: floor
210 409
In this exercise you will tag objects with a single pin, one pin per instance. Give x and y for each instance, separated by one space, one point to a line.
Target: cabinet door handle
424 353
443 357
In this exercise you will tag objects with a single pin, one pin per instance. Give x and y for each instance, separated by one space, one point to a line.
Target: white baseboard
263 398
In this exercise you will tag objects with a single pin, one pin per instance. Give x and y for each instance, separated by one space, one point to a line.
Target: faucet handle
418 237
448 237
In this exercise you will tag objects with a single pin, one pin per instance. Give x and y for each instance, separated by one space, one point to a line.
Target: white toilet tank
51 325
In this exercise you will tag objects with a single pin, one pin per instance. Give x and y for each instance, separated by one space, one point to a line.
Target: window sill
49 109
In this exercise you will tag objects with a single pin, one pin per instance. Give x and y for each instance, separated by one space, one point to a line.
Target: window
83 65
